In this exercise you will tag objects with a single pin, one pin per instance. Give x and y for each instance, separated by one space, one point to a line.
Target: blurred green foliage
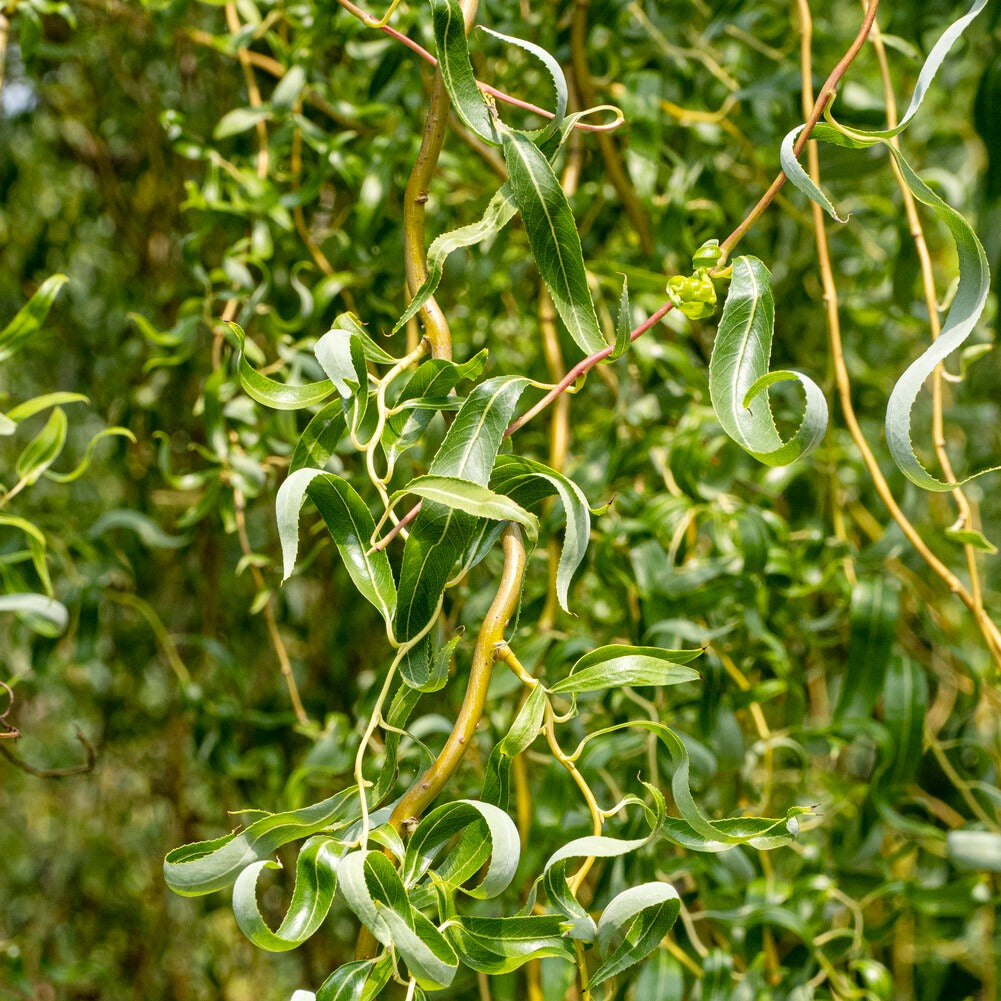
129 161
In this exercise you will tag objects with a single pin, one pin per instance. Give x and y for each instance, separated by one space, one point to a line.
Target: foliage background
110 174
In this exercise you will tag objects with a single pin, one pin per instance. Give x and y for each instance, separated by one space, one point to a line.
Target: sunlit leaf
643 915
436 830
315 883
204 866
45 615
277 395
529 481
739 376
479 501
44 448
350 524
552 234
613 666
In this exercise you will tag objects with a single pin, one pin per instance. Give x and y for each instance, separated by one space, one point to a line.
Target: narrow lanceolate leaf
693 829
555 71
39 403
432 381
457 71
642 915
357 981
528 482
315 884
905 701
440 535
552 235
276 395
44 448
612 666
499 212
964 313
501 847
319 438
931 66
84 464
623 323
554 877
36 546
739 376
350 524
967 306
526 727
874 615
977 850
204 866
29 319
481 502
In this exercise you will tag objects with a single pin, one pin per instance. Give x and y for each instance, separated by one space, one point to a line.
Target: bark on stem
414 200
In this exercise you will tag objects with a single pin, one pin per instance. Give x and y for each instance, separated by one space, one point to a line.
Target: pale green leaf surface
204 866
44 448
527 480
500 210
438 828
479 501
39 403
45 615
643 914
976 850
613 666
315 884
739 376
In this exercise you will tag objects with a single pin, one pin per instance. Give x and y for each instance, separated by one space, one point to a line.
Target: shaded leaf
30 317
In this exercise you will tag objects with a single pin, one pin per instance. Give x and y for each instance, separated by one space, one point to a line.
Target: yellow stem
420 795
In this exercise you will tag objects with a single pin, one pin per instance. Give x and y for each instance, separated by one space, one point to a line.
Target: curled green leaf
479 501
315 884
270 393
739 376
501 847
642 915
199 868
613 666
